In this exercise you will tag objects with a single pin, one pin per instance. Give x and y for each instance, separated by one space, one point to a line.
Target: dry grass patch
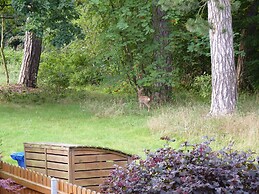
192 123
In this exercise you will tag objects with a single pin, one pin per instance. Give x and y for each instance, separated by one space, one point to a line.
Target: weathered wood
34 149
98 158
58 152
35 163
98 165
40 170
58 174
35 156
27 183
86 166
57 158
90 182
92 174
58 166
37 183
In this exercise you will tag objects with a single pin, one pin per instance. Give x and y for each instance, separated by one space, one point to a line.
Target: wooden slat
94 165
87 152
45 180
99 158
70 188
61 185
58 152
57 158
93 150
35 156
74 188
37 163
79 189
58 174
26 183
40 170
71 162
90 181
93 189
47 146
30 149
91 174
58 166
38 183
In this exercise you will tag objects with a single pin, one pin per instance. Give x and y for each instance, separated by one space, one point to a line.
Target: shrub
194 169
62 69
54 70
10 185
202 85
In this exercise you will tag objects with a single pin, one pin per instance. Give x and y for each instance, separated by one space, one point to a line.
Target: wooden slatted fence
81 165
37 183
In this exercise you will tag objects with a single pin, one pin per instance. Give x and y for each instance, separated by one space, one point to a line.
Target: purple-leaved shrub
191 169
10 185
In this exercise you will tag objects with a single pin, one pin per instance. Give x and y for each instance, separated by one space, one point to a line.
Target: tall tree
139 34
246 24
2 49
54 15
162 55
31 60
5 10
224 80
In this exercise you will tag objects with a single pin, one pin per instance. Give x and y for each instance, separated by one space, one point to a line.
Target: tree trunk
163 57
241 60
2 51
249 30
224 80
31 60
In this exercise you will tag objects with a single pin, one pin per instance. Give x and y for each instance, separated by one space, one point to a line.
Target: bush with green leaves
191 169
64 68
54 70
202 85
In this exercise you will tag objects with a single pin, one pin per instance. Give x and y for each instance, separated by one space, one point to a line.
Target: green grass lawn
96 119
72 123
92 118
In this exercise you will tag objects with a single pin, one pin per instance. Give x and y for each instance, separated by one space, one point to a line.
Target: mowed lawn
71 123
94 119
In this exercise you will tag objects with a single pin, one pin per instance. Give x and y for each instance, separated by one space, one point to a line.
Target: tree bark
163 57
249 30
224 79
241 60
2 51
31 60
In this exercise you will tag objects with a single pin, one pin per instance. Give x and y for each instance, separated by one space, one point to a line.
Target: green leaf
122 25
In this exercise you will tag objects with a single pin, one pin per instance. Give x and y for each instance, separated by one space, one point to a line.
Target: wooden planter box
80 165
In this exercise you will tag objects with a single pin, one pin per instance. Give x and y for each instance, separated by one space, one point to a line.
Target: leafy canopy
52 16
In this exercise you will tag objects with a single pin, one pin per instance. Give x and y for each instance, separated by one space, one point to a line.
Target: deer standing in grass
143 100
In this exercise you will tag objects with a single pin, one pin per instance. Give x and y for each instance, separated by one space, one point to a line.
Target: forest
134 75
168 52
162 46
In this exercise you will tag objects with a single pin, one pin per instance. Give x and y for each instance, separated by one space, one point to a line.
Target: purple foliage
197 170
10 185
